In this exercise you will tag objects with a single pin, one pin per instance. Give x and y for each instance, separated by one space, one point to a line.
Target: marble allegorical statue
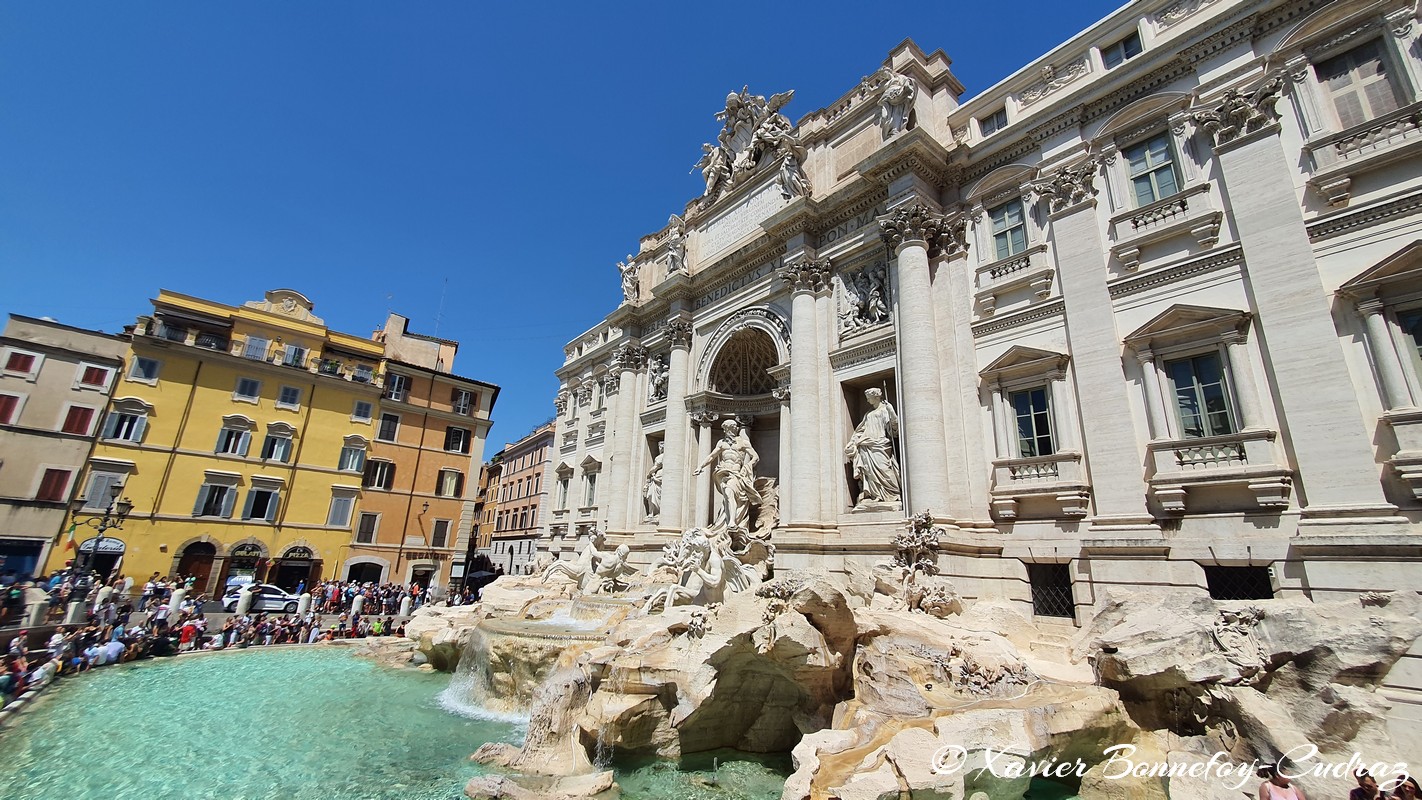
676 245
871 452
652 489
865 299
896 102
733 461
657 378
630 287
705 572
583 569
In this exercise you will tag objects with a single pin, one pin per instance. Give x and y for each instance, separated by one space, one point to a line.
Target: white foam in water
465 691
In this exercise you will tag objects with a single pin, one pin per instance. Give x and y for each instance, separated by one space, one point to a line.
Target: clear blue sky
374 155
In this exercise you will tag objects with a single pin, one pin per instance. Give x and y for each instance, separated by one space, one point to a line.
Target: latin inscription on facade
849 226
745 280
737 221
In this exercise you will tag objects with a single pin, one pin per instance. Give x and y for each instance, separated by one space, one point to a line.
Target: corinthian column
805 278
911 232
625 362
674 466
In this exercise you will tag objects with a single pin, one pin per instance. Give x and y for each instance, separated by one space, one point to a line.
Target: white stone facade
1152 309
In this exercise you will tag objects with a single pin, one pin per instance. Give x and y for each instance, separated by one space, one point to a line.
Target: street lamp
114 514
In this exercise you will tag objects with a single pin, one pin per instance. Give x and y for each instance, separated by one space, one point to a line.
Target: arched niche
770 348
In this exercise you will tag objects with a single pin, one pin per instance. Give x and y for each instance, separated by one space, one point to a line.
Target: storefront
245 564
102 555
22 556
196 561
298 568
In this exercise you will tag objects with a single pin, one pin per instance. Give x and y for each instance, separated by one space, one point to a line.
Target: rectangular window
1122 51
96 497
78 420
439 536
248 389
1152 170
1239 583
1201 396
91 377
389 427
456 440
1009 228
1357 83
261 504
397 387
340 514
9 409
256 348
994 122
379 475
289 397
144 370
233 441
463 401
362 411
215 500
276 448
352 459
562 493
1051 590
53 485
20 362
365 530
592 489
450 483
295 356
1034 422
125 426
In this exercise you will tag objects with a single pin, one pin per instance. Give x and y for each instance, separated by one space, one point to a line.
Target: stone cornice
916 152
1047 310
1346 221
882 345
1200 265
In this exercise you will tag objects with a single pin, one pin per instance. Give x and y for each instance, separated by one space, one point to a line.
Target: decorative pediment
238 421
1149 110
288 303
1403 268
1333 21
1185 322
590 464
1020 360
132 405
280 429
356 440
995 186
564 470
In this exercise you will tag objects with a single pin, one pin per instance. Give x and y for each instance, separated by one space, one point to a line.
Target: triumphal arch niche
753 377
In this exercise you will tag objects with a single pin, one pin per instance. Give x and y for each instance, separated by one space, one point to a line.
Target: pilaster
675 462
805 278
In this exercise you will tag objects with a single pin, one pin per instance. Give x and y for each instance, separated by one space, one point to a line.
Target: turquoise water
294 724
290 723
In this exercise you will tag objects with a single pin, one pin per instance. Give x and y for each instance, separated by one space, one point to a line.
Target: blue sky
380 156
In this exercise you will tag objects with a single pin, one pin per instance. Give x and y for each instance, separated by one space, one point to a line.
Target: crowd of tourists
333 597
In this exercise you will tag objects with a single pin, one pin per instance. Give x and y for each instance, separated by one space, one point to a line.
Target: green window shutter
272 506
140 427
111 425
201 500
245 444
229 499
247 506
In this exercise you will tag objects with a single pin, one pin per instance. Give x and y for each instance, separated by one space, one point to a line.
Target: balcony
1187 212
1207 474
1339 157
274 353
1028 269
1051 486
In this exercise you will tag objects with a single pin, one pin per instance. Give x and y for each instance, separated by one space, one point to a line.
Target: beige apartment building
520 500
55 381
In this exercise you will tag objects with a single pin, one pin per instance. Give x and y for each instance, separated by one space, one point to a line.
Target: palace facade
1147 313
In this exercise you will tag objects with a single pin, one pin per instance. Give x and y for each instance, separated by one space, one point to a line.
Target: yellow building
239 434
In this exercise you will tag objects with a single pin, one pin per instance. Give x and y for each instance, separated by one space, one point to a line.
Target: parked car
265 597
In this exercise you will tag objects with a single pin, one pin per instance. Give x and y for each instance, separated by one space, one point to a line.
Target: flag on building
69 540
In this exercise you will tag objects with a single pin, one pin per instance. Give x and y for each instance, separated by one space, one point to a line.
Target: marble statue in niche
657 378
652 489
865 301
733 461
870 451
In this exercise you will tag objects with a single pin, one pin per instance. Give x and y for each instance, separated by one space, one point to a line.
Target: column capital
611 383
705 418
679 333
1069 186
1241 112
781 393
1368 306
629 356
915 222
806 275
1400 21
1236 336
1145 355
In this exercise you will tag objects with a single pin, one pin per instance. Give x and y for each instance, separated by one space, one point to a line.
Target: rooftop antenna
439 315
